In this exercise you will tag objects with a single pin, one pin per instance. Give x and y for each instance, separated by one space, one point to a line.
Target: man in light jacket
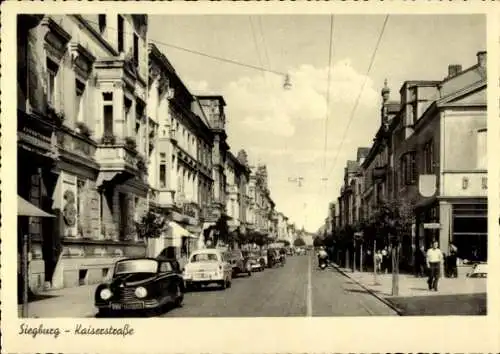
434 258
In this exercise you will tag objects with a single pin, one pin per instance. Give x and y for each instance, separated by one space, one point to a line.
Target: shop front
428 226
470 229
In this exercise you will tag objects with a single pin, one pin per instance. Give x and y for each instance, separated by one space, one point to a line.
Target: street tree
151 226
393 220
318 241
299 242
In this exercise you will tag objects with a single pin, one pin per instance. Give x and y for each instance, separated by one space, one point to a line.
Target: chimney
481 59
454 70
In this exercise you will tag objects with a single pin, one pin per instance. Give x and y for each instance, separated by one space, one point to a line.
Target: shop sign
427 185
432 225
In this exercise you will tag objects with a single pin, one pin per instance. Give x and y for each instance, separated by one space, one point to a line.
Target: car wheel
104 313
179 296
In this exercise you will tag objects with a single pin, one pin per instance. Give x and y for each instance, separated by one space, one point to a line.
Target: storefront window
470 231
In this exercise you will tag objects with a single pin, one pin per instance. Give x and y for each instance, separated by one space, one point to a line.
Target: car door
167 283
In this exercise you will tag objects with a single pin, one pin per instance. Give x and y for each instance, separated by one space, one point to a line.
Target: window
163 170
120 34
128 107
102 23
408 168
108 120
136 49
429 157
482 150
52 69
79 102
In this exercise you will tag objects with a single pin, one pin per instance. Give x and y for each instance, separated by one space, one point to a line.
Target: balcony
173 136
118 160
379 173
232 189
166 198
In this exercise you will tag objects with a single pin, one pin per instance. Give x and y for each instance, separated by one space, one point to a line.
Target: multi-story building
237 174
261 203
213 107
282 227
183 157
377 165
441 155
83 141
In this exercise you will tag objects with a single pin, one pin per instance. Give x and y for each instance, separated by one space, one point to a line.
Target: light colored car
479 270
208 266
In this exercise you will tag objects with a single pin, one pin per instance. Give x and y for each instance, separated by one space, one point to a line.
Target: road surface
297 289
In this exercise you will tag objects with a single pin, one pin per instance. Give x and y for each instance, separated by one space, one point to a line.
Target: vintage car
208 266
273 258
141 284
239 263
479 270
253 259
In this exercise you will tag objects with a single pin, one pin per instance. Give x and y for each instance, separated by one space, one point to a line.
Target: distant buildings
430 156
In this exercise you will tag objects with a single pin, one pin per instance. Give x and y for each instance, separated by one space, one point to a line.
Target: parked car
262 257
273 257
208 266
282 253
479 270
300 251
239 263
253 259
141 284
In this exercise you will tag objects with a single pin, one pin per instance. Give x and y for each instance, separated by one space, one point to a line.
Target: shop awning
105 176
177 231
25 208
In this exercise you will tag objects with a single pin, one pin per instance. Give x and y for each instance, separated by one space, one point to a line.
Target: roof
220 98
362 152
352 166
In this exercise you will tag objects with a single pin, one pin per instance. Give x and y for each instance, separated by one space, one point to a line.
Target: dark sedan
141 284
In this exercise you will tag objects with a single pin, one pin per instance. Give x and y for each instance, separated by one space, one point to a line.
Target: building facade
83 127
447 180
213 107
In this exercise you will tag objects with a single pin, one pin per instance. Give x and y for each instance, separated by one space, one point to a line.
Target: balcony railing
116 157
166 198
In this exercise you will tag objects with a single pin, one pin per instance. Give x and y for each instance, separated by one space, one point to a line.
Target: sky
286 129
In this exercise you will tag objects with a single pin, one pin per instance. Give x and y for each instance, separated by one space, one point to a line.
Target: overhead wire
327 114
210 56
351 118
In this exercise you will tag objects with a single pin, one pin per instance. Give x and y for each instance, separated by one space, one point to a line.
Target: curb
374 294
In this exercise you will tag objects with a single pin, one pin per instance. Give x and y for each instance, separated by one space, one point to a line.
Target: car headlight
141 292
105 294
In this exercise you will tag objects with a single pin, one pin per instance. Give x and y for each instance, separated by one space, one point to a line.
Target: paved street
297 289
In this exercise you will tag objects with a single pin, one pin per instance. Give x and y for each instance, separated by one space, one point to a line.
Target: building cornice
96 34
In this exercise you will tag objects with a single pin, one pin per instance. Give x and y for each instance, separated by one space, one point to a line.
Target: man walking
434 259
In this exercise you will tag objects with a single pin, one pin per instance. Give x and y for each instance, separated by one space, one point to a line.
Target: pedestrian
420 262
378 261
434 260
384 263
452 262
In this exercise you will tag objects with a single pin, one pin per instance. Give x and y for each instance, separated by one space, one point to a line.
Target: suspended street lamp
287 85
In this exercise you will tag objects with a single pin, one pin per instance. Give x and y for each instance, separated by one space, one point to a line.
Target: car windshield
136 266
204 257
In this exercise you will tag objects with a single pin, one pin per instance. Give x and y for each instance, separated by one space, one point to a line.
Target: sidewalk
456 296
68 302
